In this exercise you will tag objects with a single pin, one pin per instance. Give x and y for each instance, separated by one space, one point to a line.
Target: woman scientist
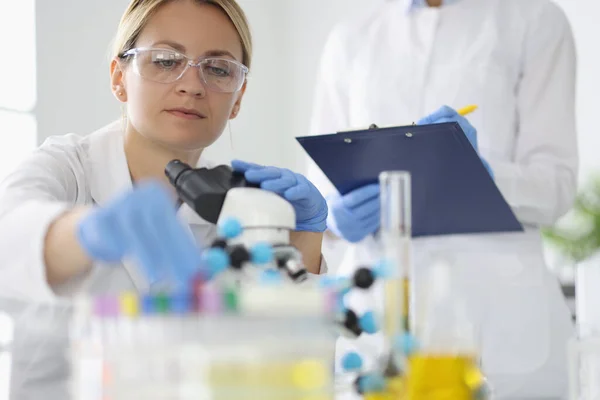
516 60
77 213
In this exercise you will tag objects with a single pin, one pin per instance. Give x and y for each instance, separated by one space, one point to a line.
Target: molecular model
408 372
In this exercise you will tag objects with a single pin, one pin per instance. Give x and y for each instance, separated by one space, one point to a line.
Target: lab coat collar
410 5
110 173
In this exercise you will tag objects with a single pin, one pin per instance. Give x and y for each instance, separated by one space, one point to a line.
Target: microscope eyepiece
204 189
175 169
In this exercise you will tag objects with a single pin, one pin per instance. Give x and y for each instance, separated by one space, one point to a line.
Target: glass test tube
396 232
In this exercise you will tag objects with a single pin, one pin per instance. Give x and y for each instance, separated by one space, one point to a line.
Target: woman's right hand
141 224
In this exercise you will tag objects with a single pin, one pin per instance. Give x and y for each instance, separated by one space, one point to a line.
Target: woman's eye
166 63
218 71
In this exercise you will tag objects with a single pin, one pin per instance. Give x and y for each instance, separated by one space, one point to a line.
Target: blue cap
351 362
367 322
261 253
230 228
148 304
181 303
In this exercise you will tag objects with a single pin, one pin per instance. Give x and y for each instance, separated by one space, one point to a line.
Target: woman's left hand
310 206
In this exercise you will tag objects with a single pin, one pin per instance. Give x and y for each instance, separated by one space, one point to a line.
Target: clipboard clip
371 127
374 126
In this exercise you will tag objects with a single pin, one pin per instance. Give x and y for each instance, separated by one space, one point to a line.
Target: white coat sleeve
540 182
31 198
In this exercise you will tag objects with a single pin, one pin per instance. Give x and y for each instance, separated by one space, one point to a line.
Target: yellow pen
463 111
467 110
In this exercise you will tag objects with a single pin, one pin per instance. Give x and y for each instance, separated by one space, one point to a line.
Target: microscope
220 194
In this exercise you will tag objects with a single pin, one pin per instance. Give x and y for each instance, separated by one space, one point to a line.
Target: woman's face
184 115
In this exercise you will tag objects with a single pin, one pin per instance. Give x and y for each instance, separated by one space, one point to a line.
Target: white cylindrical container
584 350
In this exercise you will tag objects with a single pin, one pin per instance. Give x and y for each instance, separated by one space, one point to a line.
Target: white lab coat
64 172
515 59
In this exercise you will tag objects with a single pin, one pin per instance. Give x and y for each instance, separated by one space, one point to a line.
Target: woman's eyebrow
177 46
219 53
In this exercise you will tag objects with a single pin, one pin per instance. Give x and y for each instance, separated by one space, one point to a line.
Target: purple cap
211 300
106 306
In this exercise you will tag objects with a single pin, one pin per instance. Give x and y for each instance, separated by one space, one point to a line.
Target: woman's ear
117 80
238 103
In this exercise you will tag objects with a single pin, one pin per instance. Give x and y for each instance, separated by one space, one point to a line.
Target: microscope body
265 217
220 194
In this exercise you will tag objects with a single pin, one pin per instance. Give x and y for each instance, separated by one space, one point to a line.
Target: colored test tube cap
162 303
130 305
368 323
106 306
210 300
352 361
230 228
182 303
230 299
148 304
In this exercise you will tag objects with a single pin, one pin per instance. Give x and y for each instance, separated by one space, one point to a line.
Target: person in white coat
516 60
83 213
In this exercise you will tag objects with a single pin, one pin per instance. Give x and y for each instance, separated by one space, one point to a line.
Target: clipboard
452 192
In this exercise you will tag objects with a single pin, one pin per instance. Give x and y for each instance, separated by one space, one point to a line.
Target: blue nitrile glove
308 203
356 214
448 114
142 224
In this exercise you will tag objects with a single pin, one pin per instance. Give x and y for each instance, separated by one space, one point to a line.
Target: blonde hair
139 12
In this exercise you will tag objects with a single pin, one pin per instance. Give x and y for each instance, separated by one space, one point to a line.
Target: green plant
577 236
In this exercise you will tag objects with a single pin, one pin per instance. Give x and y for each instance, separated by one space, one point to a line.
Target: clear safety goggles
167 66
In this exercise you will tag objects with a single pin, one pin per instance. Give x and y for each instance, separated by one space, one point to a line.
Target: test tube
395 235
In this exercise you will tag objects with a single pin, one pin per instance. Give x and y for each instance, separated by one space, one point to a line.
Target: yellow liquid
433 377
304 380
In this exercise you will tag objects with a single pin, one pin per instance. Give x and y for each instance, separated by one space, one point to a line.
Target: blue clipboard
452 192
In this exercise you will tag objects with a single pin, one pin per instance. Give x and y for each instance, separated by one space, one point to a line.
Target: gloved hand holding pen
356 215
448 114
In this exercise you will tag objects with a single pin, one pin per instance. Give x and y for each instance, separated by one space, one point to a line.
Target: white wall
583 15
73 85
73 82
73 41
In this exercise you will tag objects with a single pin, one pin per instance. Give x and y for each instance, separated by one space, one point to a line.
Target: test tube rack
231 336
253 341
